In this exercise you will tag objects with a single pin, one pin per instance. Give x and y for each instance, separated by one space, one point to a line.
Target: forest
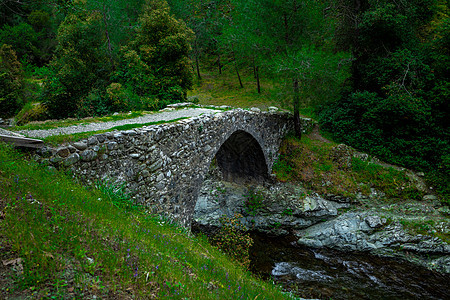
375 73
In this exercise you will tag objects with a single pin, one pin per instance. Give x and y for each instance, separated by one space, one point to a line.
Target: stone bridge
163 166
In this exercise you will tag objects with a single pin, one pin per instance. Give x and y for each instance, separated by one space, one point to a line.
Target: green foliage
320 74
283 168
314 164
395 108
23 39
79 70
11 82
232 239
389 180
39 19
287 212
253 201
31 112
116 194
156 63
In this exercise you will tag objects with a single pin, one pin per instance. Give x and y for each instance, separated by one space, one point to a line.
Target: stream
311 273
327 274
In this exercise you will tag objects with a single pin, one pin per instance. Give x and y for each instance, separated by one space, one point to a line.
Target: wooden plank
22 141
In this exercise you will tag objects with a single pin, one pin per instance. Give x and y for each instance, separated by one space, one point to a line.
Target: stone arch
241 158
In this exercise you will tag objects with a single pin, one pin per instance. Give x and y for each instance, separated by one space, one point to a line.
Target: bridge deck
21 141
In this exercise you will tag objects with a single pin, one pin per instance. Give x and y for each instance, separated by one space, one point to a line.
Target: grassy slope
74 242
224 89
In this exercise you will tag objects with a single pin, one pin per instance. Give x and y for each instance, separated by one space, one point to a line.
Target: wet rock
441 264
361 232
281 209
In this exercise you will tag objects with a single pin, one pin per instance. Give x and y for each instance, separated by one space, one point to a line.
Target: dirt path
315 134
156 117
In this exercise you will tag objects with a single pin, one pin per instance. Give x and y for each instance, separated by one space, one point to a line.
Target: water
326 274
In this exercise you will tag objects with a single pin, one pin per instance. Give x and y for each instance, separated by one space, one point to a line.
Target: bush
253 201
94 104
11 82
31 112
232 239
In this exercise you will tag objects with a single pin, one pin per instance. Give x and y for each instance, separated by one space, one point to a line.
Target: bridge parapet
163 166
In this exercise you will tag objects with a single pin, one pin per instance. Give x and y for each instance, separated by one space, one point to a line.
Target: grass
427 227
75 242
223 89
310 161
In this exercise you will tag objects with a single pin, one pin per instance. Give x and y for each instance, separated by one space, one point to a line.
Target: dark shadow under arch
241 158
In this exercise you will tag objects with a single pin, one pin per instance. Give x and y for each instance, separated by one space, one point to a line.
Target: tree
396 106
11 82
315 75
290 38
80 64
159 55
24 40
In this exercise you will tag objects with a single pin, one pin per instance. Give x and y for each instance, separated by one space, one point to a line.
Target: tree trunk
111 60
196 61
297 123
254 68
219 64
257 79
286 30
198 68
237 70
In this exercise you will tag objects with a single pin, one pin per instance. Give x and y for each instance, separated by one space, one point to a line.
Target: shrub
253 201
31 112
94 104
232 239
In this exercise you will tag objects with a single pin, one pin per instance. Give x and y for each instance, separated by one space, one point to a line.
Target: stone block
92 141
63 151
88 155
72 159
80 146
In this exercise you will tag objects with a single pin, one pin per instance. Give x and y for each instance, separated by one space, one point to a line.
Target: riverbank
331 196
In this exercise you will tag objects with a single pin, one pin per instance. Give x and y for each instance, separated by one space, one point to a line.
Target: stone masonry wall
164 165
